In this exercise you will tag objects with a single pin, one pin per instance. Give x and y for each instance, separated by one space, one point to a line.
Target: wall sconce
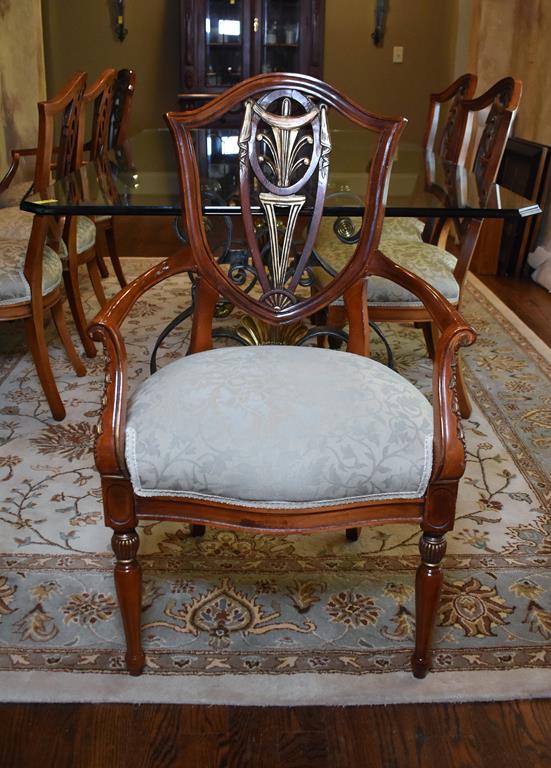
380 15
120 29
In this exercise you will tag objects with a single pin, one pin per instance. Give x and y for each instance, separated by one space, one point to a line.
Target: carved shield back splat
284 146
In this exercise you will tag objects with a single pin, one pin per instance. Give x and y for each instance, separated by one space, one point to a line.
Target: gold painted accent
257 333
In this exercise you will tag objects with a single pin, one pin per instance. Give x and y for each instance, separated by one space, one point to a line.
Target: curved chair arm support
16 155
449 448
109 448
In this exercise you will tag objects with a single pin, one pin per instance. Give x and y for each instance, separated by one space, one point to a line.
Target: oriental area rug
232 618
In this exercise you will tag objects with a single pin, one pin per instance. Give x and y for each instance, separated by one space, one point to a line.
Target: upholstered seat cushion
13 195
434 265
402 228
14 287
86 236
15 224
278 426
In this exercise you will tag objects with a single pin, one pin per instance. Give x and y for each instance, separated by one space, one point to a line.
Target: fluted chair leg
95 279
428 584
128 583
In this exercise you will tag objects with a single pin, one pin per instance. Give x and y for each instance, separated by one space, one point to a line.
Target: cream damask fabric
278 426
14 287
15 224
13 195
434 265
86 236
402 228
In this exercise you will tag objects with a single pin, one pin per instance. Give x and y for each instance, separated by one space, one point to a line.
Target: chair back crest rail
284 154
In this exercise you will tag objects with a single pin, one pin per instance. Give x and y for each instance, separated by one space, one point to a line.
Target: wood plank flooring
513 734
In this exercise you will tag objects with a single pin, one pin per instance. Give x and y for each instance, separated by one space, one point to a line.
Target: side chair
31 274
389 302
259 438
444 136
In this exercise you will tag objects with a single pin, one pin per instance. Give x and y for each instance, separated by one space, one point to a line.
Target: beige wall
426 29
21 76
79 34
513 37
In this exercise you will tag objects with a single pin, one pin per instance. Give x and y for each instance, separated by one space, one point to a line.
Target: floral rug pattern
247 604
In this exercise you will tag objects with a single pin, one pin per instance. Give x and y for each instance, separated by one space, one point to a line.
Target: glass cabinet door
224 52
280 36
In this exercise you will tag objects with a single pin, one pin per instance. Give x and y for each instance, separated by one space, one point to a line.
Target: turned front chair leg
428 584
128 583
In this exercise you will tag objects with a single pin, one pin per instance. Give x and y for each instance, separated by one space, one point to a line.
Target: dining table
140 178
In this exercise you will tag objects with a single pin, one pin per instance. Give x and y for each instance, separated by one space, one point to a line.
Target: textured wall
513 38
426 28
22 82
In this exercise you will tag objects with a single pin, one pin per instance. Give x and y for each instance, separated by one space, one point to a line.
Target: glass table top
141 178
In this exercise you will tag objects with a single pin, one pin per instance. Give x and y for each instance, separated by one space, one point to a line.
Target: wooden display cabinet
225 41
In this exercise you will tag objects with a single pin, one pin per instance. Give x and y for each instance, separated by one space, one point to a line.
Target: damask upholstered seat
15 224
86 236
362 433
14 287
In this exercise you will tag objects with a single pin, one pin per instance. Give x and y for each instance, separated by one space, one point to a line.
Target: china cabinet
225 41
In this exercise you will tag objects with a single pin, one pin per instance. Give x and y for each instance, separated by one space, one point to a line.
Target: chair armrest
16 154
449 447
109 448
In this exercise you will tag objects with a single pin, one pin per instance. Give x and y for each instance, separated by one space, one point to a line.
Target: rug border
314 690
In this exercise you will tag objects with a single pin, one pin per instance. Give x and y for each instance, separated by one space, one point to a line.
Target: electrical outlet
398 54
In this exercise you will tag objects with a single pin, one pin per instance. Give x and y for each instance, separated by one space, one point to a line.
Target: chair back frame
125 85
100 93
451 138
68 153
279 303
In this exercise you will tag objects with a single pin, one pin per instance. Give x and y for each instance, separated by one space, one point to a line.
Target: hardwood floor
516 734
513 734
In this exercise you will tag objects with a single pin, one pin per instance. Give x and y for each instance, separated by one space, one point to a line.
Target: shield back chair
437 266
255 438
79 232
119 123
31 268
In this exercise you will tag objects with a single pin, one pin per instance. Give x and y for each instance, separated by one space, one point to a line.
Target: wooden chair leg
197 530
465 406
428 333
95 279
36 341
70 278
128 583
428 584
353 534
113 253
64 335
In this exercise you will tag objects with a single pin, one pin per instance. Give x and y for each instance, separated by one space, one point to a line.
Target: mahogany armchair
31 267
433 263
179 449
